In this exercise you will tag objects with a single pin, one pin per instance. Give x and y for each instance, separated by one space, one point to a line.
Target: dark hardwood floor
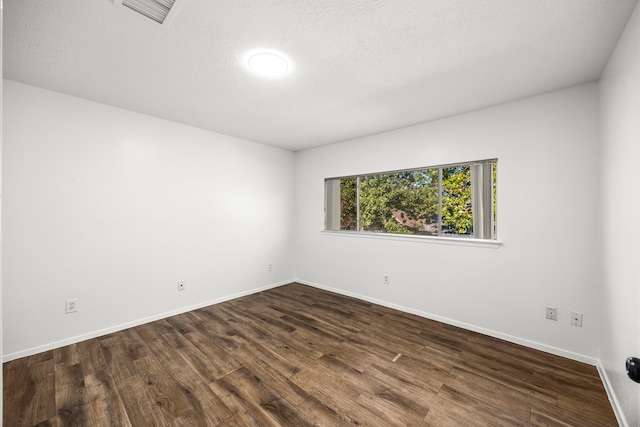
300 356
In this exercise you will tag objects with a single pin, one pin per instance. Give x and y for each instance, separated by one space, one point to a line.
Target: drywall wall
112 207
547 220
620 134
1 102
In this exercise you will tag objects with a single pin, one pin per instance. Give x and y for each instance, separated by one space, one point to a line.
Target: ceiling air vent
153 9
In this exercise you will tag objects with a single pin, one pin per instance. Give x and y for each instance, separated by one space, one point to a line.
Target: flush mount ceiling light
268 64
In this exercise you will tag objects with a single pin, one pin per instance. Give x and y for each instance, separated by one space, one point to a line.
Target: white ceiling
359 67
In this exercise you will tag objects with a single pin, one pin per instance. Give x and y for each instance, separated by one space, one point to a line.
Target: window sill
456 241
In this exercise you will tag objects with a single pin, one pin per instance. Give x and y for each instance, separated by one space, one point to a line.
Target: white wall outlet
181 286
576 319
552 313
386 279
71 306
269 267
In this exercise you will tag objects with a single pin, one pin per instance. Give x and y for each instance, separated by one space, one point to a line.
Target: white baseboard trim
516 340
615 403
127 325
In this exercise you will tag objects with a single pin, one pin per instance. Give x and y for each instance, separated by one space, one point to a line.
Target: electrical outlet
181 286
386 280
71 306
269 267
576 319
552 313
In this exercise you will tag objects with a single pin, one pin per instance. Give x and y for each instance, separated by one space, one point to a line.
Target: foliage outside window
456 200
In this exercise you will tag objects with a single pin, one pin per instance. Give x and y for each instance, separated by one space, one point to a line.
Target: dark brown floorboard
300 356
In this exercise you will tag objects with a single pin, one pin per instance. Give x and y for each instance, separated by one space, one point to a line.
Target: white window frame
484 229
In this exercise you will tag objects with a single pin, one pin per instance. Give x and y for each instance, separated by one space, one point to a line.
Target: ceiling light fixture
268 64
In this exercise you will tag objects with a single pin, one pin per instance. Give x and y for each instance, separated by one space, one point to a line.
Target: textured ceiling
359 67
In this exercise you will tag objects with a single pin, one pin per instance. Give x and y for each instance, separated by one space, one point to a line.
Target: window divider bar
358 219
439 201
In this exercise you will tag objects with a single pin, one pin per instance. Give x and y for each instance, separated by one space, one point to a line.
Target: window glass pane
348 204
457 212
453 200
400 202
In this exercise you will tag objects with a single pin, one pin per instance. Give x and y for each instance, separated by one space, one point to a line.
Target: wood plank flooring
300 356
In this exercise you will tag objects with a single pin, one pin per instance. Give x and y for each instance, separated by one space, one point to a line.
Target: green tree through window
435 201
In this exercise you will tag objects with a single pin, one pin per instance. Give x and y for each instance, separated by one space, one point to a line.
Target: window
456 200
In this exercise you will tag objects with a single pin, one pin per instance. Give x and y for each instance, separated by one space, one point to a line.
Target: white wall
620 133
547 218
1 98
113 207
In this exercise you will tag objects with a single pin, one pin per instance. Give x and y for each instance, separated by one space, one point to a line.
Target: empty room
320 213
